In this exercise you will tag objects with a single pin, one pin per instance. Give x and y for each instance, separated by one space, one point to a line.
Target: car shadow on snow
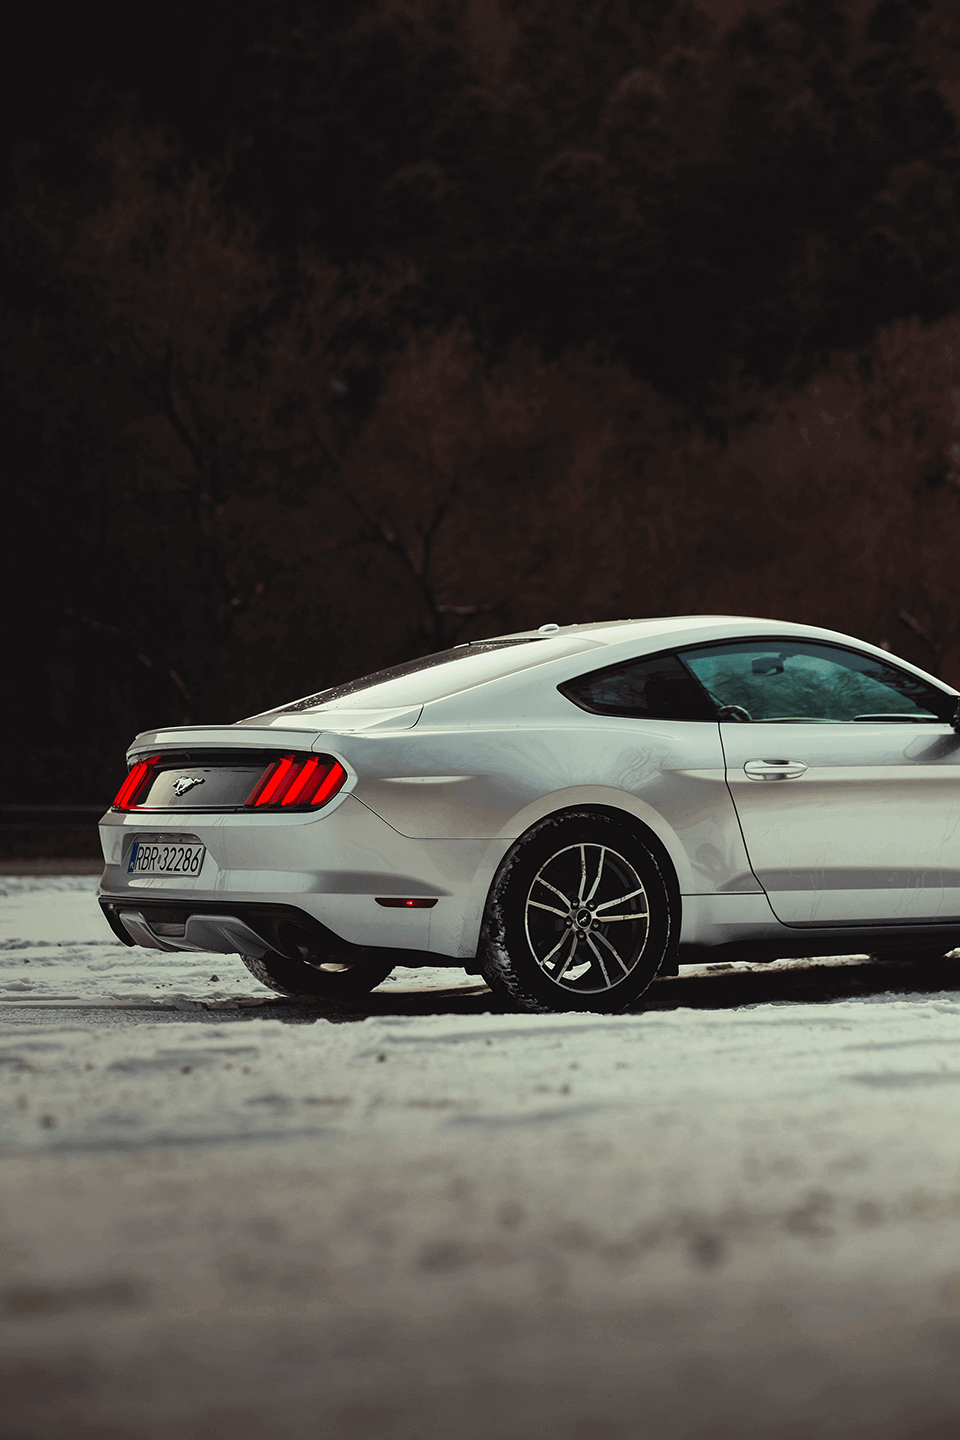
800 981
705 987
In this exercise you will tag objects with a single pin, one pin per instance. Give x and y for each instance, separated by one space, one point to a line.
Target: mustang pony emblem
185 783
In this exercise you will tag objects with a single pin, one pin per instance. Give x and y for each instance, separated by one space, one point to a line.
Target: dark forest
337 333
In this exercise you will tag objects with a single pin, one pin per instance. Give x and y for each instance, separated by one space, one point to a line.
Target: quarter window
808 683
657 687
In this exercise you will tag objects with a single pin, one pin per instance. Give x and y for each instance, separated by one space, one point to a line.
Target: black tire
557 882
332 981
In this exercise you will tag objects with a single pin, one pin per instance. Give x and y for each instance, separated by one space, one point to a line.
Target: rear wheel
579 918
332 980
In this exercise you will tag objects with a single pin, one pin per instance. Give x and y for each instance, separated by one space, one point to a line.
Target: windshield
431 677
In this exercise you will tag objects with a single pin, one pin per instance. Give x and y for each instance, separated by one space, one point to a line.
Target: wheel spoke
547 958
603 968
559 974
609 919
547 886
620 899
600 862
537 905
613 951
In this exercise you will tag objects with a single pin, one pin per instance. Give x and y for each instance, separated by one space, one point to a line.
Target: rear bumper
238 929
218 934
322 872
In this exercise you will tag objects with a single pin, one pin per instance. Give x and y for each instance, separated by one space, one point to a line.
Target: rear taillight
135 786
297 780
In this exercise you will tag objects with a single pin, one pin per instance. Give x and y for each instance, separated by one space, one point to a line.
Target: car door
846 780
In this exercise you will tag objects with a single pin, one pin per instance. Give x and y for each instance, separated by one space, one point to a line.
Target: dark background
337 333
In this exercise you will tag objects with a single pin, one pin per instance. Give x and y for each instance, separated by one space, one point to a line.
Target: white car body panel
869 832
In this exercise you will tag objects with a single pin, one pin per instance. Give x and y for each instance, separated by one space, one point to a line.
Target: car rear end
255 838
250 841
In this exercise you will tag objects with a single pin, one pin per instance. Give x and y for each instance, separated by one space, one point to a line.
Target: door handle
774 769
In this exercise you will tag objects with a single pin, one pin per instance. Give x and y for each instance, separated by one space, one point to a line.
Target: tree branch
164 403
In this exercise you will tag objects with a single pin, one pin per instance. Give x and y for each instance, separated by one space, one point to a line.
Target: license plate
150 858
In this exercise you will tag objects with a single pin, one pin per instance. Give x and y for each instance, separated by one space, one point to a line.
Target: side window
808 683
657 687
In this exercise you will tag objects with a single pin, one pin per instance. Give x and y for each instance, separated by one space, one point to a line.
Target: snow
53 925
686 1222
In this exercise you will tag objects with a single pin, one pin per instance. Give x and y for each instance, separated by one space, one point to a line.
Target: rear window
432 677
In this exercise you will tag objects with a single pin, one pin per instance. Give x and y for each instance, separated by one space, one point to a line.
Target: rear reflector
297 781
135 785
420 902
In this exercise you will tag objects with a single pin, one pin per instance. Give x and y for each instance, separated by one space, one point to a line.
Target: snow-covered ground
681 1223
55 945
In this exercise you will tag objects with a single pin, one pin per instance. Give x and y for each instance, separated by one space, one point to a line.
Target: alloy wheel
586 918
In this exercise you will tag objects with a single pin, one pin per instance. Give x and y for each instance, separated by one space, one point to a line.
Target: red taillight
136 782
301 784
324 784
297 780
266 791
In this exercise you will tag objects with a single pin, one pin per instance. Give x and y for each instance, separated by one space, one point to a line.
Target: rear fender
649 827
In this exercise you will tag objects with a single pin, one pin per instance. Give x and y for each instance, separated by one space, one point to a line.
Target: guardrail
51 817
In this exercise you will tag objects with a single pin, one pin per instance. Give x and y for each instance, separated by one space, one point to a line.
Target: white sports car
567 812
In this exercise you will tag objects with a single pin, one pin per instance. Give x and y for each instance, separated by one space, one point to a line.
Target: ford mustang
567 812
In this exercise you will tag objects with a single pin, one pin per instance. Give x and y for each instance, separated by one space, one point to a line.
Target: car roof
679 629
663 632
575 649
